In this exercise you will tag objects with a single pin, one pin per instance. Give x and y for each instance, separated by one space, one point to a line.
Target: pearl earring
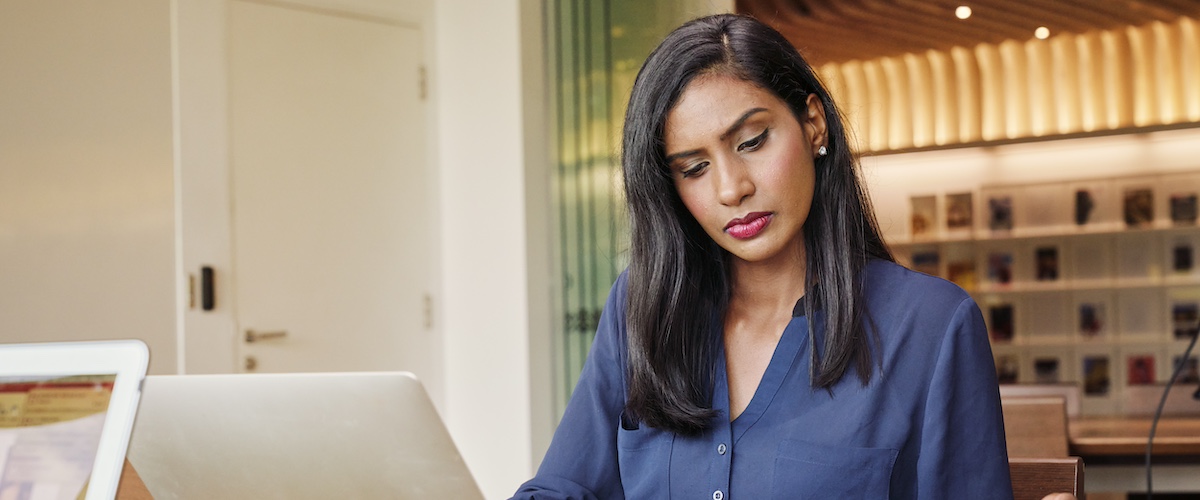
822 151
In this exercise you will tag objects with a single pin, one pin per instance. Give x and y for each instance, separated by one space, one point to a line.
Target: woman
763 343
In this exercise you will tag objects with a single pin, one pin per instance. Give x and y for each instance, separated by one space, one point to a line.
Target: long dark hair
678 277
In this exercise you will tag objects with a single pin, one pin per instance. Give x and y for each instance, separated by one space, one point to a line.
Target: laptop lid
66 410
295 436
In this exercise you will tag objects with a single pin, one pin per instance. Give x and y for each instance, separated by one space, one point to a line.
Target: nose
733 183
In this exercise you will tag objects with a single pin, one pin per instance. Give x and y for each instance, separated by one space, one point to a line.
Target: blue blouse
928 425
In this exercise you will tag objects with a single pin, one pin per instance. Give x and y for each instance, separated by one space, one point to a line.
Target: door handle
255 336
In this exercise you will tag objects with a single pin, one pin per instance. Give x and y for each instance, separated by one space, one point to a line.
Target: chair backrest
1070 392
1034 478
1035 427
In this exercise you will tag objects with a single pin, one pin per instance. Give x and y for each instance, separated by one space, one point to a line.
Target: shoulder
889 281
610 332
901 296
618 295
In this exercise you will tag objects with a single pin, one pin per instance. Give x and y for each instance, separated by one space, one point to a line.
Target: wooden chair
1034 478
1035 427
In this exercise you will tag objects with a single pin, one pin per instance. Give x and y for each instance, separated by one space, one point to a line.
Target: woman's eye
695 170
754 143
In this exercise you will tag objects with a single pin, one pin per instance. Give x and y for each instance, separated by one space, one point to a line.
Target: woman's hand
1059 496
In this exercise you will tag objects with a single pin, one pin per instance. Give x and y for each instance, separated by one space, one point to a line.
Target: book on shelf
999 267
1139 207
1000 213
1191 370
1183 209
958 211
962 273
1091 319
1046 370
1096 377
1002 322
1181 258
924 215
1047 263
926 261
1007 369
1184 316
1084 204
1140 369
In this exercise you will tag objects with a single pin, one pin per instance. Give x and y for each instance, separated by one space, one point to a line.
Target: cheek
693 201
791 171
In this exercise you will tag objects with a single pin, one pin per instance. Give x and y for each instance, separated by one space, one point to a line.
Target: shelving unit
1095 281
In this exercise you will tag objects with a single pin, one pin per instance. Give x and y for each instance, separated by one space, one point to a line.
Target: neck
770 287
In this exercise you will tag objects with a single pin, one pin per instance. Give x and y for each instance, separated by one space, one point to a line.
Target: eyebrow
728 132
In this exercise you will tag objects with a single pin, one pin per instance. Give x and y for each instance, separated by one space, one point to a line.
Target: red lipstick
749 226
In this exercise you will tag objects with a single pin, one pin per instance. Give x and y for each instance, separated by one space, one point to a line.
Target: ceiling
841 30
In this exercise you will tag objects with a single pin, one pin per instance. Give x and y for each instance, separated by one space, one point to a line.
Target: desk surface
1091 436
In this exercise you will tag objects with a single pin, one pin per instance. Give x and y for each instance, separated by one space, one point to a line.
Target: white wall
86 215
486 287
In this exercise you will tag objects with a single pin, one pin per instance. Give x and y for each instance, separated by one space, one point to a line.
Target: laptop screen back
295 436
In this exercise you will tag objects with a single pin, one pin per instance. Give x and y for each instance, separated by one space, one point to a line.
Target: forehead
710 103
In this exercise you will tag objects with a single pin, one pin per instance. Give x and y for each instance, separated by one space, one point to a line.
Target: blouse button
717 495
721 448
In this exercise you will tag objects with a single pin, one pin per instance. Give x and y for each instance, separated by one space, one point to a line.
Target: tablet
66 411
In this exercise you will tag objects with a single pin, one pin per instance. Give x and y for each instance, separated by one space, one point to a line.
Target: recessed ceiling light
1042 32
962 12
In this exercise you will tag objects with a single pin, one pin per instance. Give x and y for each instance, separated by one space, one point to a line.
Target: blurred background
432 186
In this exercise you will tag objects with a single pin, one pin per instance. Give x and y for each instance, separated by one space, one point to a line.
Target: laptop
66 410
295 436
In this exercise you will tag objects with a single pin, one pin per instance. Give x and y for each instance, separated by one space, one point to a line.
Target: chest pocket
643 456
807 470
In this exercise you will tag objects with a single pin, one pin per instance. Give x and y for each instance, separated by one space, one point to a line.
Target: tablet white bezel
127 359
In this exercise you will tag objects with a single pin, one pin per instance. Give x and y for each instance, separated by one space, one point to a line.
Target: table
1116 437
1114 453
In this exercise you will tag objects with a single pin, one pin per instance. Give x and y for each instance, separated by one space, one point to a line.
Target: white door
331 214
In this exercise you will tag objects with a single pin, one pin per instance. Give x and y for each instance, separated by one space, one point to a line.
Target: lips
749 226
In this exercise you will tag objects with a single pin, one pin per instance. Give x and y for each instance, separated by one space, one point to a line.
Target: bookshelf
1093 281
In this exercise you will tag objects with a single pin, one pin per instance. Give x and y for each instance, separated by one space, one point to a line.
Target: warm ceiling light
1042 32
962 12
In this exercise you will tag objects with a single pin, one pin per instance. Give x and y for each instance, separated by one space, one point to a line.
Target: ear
814 123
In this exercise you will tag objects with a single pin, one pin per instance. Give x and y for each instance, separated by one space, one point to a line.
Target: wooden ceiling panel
842 30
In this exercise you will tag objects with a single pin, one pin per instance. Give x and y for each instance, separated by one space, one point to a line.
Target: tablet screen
50 429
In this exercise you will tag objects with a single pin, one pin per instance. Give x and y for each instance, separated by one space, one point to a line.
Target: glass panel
597 48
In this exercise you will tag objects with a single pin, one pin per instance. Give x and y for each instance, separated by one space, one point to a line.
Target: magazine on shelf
1091 319
1046 370
1002 322
1007 368
1139 207
999 267
1000 213
1191 371
1096 377
1183 319
959 213
924 215
1183 209
962 273
1085 203
1181 258
1047 263
926 261
1140 369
